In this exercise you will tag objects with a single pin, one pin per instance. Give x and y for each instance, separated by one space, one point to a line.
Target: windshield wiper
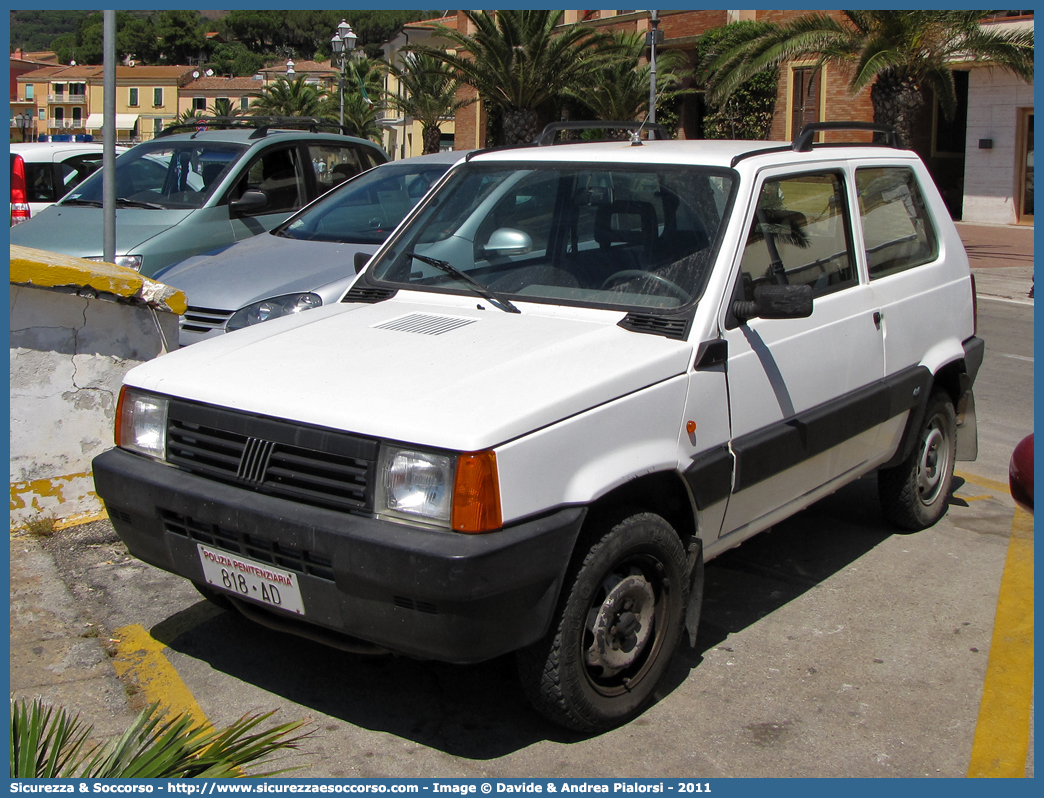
91 203
129 203
483 291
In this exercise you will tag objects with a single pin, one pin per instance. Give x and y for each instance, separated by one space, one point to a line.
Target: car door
798 387
278 172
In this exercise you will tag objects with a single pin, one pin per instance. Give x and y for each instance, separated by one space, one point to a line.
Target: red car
1020 473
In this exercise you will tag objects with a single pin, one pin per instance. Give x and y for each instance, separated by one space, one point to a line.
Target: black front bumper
429 593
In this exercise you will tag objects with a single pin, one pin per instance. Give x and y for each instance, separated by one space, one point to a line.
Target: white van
573 375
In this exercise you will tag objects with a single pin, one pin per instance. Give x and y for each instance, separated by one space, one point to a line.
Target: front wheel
617 627
913 494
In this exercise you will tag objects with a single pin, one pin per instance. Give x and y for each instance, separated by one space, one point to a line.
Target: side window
39 182
76 169
897 228
277 172
333 164
800 236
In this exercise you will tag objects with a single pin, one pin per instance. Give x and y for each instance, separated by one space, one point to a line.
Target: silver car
307 261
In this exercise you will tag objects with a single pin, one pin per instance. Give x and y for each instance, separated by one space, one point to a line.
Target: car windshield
164 174
602 235
365 210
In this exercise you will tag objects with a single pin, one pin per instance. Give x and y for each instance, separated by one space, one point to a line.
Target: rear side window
897 227
39 183
799 236
335 163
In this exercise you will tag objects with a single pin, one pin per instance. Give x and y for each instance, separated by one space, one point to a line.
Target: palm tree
360 116
519 62
223 107
898 53
621 90
429 95
288 98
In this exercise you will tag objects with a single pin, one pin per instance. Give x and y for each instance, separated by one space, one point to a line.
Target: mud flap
692 612
967 428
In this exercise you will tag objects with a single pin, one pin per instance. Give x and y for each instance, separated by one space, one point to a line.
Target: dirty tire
618 624
215 597
913 494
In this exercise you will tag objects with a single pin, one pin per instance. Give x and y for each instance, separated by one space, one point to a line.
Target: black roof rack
260 124
547 135
803 140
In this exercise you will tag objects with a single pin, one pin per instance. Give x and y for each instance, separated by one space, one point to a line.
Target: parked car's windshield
365 210
603 235
164 174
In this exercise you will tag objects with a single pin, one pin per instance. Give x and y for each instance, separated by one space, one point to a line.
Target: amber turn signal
476 493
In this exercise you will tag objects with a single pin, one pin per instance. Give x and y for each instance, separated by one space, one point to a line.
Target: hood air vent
425 324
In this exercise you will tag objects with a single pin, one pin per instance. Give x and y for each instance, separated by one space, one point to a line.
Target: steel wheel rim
631 578
934 461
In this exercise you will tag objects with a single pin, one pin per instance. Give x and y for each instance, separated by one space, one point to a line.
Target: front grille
289 558
310 465
203 320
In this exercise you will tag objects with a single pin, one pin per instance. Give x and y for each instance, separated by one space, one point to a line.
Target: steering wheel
630 274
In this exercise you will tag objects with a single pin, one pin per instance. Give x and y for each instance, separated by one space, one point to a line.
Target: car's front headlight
127 261
272 308
457 491
141 423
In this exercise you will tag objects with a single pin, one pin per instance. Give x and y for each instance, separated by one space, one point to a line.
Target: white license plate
251 579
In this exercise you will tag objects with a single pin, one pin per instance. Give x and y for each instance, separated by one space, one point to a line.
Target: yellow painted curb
44 269
140 655
1002 732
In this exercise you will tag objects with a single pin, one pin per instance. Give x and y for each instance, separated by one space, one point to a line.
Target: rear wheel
617 627
913 494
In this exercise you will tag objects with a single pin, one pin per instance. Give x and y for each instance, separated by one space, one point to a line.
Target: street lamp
342 43
653 37
24 121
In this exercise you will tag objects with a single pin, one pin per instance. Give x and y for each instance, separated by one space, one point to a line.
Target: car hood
261 267
444 375
78 230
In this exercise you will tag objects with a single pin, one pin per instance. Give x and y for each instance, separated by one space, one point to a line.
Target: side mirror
776 302
508 241
361 259
253 200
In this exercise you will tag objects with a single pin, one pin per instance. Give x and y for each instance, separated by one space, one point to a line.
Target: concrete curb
50 270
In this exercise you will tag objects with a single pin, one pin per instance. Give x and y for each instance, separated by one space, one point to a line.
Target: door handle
878 316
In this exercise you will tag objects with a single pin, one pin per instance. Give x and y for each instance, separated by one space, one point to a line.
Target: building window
243 103
132 98
43 113
199 103
59 116
77 117
77 89
157 97
28 91
157 126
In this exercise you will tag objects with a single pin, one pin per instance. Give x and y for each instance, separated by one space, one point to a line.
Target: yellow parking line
1002 731
140 655
983 482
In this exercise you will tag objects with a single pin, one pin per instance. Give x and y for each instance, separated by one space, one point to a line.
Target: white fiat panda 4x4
574 374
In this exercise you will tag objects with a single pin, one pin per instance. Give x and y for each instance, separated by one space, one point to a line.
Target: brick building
982 160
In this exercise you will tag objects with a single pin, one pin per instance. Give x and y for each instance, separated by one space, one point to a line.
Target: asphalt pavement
57 654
